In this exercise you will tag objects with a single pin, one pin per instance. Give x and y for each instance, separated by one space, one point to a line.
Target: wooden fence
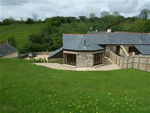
137 62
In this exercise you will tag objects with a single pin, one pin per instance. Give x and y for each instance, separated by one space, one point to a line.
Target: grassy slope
26 88
20 32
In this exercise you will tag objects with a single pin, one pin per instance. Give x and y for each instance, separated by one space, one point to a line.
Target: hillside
20 32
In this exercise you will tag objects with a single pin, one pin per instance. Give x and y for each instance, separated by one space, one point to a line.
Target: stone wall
13 55
84 59
107 50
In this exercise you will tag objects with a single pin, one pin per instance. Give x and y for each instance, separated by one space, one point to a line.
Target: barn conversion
87 50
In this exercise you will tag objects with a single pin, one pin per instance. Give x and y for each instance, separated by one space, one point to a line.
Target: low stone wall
136 62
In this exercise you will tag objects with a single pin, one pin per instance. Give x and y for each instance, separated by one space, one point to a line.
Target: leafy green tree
32 47
56 23
82 18
12 41
29 21
147 26
8 22
138 26
36 38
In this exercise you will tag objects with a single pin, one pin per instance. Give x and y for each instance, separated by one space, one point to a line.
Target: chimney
7 42
91 28
108 30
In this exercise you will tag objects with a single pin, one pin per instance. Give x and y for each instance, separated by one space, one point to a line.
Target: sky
48 8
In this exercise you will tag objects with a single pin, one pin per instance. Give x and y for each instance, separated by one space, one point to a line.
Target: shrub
43 60
36 38
29 21
32 47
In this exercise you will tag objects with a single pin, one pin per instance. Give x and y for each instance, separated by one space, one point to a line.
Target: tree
32 47
36 38
11 18
56 23
92 15
35 16
49 22
116 13
104 14
7 22
144 14
12 41
82 18
29 21
138 26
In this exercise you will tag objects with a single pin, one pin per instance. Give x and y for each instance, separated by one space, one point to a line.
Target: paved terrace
65 67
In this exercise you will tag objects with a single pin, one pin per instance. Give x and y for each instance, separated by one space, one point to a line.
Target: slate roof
144 49
78 45
112 38
55 52
6 49
129 38
75 42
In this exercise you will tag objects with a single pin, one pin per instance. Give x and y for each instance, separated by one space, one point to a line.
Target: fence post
110 55
116 59
132 61
139 62
127 62
122 63
146 63
119 61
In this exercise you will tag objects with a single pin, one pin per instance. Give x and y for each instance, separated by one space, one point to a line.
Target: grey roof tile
144 49
75 42
78 44
6 49
55 52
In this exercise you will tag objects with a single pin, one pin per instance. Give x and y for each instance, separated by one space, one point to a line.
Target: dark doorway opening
70 59
97 59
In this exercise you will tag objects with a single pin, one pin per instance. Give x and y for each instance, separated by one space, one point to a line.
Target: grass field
27 88
20 32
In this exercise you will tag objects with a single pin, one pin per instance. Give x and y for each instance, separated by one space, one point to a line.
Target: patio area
106 67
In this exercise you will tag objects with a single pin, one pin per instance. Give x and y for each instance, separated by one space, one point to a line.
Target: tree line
50 38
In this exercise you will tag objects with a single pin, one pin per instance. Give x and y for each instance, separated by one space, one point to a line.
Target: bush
12 41
41 60
56 23
29 21
35 48
36 38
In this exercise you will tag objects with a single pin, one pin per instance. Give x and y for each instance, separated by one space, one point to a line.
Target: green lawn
20 32
27 88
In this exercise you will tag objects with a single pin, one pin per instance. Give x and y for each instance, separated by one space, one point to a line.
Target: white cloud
49 8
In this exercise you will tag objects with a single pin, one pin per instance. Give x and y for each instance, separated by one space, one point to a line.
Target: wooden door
70 59
97 59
